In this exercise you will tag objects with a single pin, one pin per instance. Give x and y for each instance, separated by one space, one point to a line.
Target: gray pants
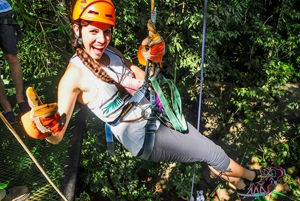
171 145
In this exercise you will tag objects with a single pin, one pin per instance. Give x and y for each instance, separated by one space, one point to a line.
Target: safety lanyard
174 112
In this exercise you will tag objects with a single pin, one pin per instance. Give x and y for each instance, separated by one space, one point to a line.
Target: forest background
250 96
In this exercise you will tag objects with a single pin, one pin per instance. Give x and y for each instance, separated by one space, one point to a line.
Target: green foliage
251 49
45 48
120 177
182 175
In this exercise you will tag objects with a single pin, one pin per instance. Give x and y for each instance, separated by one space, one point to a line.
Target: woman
100 77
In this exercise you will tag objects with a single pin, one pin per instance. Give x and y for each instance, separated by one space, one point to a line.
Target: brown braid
94 66
97 70
91 64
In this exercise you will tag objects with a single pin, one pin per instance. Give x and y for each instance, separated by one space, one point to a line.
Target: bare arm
68 90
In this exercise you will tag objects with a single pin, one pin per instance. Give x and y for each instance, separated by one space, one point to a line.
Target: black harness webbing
150 127
174 120
133 102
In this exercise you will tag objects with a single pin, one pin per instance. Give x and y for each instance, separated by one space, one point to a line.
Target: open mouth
98 51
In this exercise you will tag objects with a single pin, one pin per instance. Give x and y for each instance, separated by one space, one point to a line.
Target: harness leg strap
149 139
109 140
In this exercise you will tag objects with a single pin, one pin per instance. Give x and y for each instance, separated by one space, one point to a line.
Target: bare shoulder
72 68
72 72
71 77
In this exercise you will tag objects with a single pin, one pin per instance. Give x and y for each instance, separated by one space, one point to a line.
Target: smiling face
96 37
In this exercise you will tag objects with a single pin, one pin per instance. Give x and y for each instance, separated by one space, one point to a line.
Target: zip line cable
201 81
202 62
200 93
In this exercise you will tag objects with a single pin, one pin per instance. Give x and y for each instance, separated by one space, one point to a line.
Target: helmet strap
79 41
79 38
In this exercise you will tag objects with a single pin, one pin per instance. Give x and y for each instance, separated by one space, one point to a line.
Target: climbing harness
132 104
170 116
109 139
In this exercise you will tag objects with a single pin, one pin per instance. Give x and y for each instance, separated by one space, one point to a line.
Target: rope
31 155
193 181
151 28
151 23
201 74
153 12
202 62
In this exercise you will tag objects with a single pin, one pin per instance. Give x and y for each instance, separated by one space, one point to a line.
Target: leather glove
43 120
152 47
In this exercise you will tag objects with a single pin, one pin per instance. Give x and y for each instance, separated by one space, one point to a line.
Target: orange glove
43 120
152 47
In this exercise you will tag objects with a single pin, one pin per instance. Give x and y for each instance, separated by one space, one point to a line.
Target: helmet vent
93 12
109 16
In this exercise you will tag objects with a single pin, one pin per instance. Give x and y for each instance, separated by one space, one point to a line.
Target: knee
11 59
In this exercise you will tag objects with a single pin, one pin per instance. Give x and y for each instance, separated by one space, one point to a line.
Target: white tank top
108 104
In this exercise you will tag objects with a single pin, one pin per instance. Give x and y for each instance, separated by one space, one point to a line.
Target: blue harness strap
109 139
150 130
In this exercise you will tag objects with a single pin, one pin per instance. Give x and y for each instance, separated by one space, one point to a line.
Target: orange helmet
95 10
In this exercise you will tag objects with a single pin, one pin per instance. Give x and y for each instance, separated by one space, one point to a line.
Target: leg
3 98
236 174
5 31
8 41
7 108
171 145
17 76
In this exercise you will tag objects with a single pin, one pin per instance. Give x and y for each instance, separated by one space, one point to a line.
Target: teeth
98 47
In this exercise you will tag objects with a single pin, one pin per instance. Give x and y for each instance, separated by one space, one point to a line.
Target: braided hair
93 65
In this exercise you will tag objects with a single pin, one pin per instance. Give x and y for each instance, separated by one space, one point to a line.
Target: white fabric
200 198
108 104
